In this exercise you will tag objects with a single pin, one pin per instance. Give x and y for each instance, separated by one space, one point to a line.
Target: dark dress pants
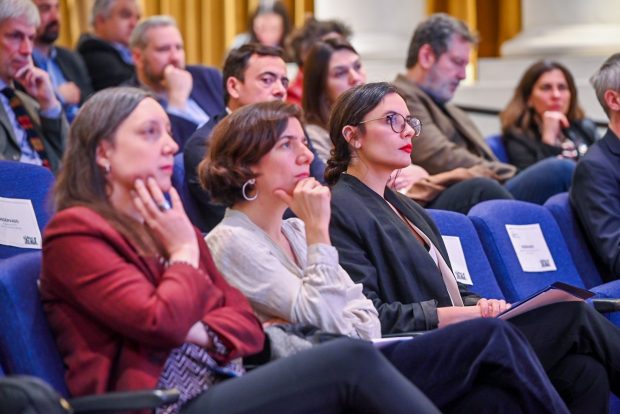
340 376
482 365
580 350
461 197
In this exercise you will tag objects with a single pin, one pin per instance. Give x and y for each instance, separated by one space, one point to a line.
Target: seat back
585 261
459 225
189 203
26 181
497 146
490 219
26 342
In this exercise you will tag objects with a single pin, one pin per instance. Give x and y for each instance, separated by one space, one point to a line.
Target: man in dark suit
106 51
595 193
252 73
191 95
436 62
32 126
65 67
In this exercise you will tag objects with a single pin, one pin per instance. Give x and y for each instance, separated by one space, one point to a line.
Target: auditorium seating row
491 263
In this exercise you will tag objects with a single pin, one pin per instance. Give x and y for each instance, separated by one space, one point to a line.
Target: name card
18 224
531 248
457 259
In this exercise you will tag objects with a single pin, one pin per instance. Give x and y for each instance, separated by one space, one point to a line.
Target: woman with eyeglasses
389 244
333 67
258 165
135 301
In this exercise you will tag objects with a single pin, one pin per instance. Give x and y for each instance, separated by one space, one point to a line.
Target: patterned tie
25 121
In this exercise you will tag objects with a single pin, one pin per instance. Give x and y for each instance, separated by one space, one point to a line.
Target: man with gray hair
436 63
191 95
595 193
106 51
32 125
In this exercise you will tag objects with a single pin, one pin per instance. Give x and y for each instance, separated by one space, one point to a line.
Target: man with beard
191 95
436 63
66 68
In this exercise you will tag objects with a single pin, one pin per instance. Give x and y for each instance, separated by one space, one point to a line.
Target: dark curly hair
238 142
350 109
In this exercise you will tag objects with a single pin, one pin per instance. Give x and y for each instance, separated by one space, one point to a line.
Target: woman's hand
490 308
198 335
310 202
404 178
454 314
552 123
170 225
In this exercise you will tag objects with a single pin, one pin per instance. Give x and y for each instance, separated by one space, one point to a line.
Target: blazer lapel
6 124
461 124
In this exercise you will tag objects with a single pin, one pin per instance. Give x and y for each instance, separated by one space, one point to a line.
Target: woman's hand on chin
168 221
310 202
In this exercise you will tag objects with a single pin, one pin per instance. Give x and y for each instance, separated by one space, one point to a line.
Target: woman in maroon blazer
135 301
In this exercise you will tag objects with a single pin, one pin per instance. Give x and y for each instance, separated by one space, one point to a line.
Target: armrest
124 401
606 305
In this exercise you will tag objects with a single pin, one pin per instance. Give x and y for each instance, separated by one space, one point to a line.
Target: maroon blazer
116 314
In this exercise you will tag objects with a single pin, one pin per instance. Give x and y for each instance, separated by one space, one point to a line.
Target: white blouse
317 291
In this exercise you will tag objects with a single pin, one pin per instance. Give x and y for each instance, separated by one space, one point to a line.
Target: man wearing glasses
436 62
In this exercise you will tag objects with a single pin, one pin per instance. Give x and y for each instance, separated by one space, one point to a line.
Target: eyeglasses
398 122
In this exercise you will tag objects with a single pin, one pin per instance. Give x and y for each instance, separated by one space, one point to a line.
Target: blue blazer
595 196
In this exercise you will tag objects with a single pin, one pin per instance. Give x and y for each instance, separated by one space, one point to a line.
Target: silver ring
164 206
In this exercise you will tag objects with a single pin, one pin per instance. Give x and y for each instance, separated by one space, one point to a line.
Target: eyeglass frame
416 129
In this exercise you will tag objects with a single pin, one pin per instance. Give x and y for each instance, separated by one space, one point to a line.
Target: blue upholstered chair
27 346
459 225
497 146
189 203
490 219
26 181
26 342
562 211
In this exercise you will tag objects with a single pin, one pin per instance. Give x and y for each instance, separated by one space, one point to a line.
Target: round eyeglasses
397 123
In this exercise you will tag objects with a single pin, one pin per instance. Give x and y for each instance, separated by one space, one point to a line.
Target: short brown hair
238 142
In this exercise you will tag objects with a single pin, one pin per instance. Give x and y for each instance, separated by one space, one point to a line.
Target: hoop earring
251 181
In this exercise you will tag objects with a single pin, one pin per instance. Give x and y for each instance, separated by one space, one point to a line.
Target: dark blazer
379 250
207 91
53 131
195 150
117 314
74 69
526 149
449 137
193 153
104 63
595 195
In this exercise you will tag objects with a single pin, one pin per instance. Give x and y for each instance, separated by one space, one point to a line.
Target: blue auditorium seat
459 225
497 146
27 346
490 219
26 181
26 342
562 211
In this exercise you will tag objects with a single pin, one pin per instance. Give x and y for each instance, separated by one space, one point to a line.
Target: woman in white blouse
258 165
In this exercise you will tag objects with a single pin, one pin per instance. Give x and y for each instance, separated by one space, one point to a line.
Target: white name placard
457 259
18 224
531 248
